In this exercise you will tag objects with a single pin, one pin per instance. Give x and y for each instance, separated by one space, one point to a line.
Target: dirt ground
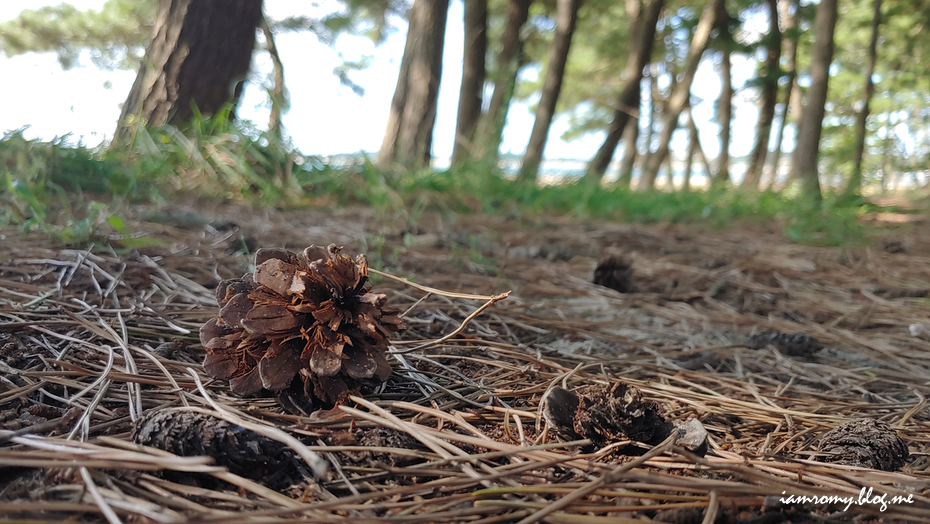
769 344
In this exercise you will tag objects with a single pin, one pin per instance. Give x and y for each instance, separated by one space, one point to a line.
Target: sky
325 117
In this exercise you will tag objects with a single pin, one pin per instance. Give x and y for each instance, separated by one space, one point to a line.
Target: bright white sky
325 117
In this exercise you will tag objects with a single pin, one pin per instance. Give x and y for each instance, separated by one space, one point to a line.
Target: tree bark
804 158
629 154
769 98
855 178
279 95
692 150
508 64
679 97
791 57
473 74
642 37
409 133
388 149
199 51
567 16
693 133
724 117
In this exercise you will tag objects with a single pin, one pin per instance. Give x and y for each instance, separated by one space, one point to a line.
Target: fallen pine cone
606 414
192 434
311 315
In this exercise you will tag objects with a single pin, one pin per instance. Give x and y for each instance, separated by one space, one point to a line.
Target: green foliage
43 184
75 193
216 157
369 18
114 35
476 190
43 187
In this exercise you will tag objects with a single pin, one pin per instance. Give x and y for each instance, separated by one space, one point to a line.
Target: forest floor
769 344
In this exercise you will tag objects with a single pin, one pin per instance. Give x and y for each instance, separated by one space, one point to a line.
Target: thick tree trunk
629 154
470 93
855 178
566 18
769 98
508 64
724 117
409 133
791 56
642 38
679 97
804 158
199 51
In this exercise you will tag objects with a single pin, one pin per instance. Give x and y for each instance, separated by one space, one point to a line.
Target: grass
72 191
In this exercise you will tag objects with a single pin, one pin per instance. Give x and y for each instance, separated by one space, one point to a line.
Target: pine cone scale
280 364
276 275
236 310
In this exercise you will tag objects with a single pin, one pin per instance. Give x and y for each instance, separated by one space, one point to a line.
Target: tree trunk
279 95
682 91
642 38
791 57
804 158
692 150
409 133
769 98
566 18
629 154
855 178
724 117
508 64
198 53
470 93
652 81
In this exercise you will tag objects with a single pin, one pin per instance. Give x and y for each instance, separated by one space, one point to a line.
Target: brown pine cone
311 315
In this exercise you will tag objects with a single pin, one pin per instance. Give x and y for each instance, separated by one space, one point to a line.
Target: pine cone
311 315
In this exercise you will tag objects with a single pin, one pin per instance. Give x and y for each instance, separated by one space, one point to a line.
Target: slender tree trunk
508 64
679 96
855 179
653 105
724 117
279 95
388 149
409 133
642 38
692 151
804 158
470 93
788 13
725 104
769 98
552 84
198 53
693 133
628 162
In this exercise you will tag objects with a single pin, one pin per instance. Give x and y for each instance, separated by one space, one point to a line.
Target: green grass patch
74 192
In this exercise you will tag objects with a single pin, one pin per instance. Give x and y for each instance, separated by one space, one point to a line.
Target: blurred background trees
840 89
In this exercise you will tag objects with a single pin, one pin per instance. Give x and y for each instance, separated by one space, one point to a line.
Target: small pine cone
311 315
